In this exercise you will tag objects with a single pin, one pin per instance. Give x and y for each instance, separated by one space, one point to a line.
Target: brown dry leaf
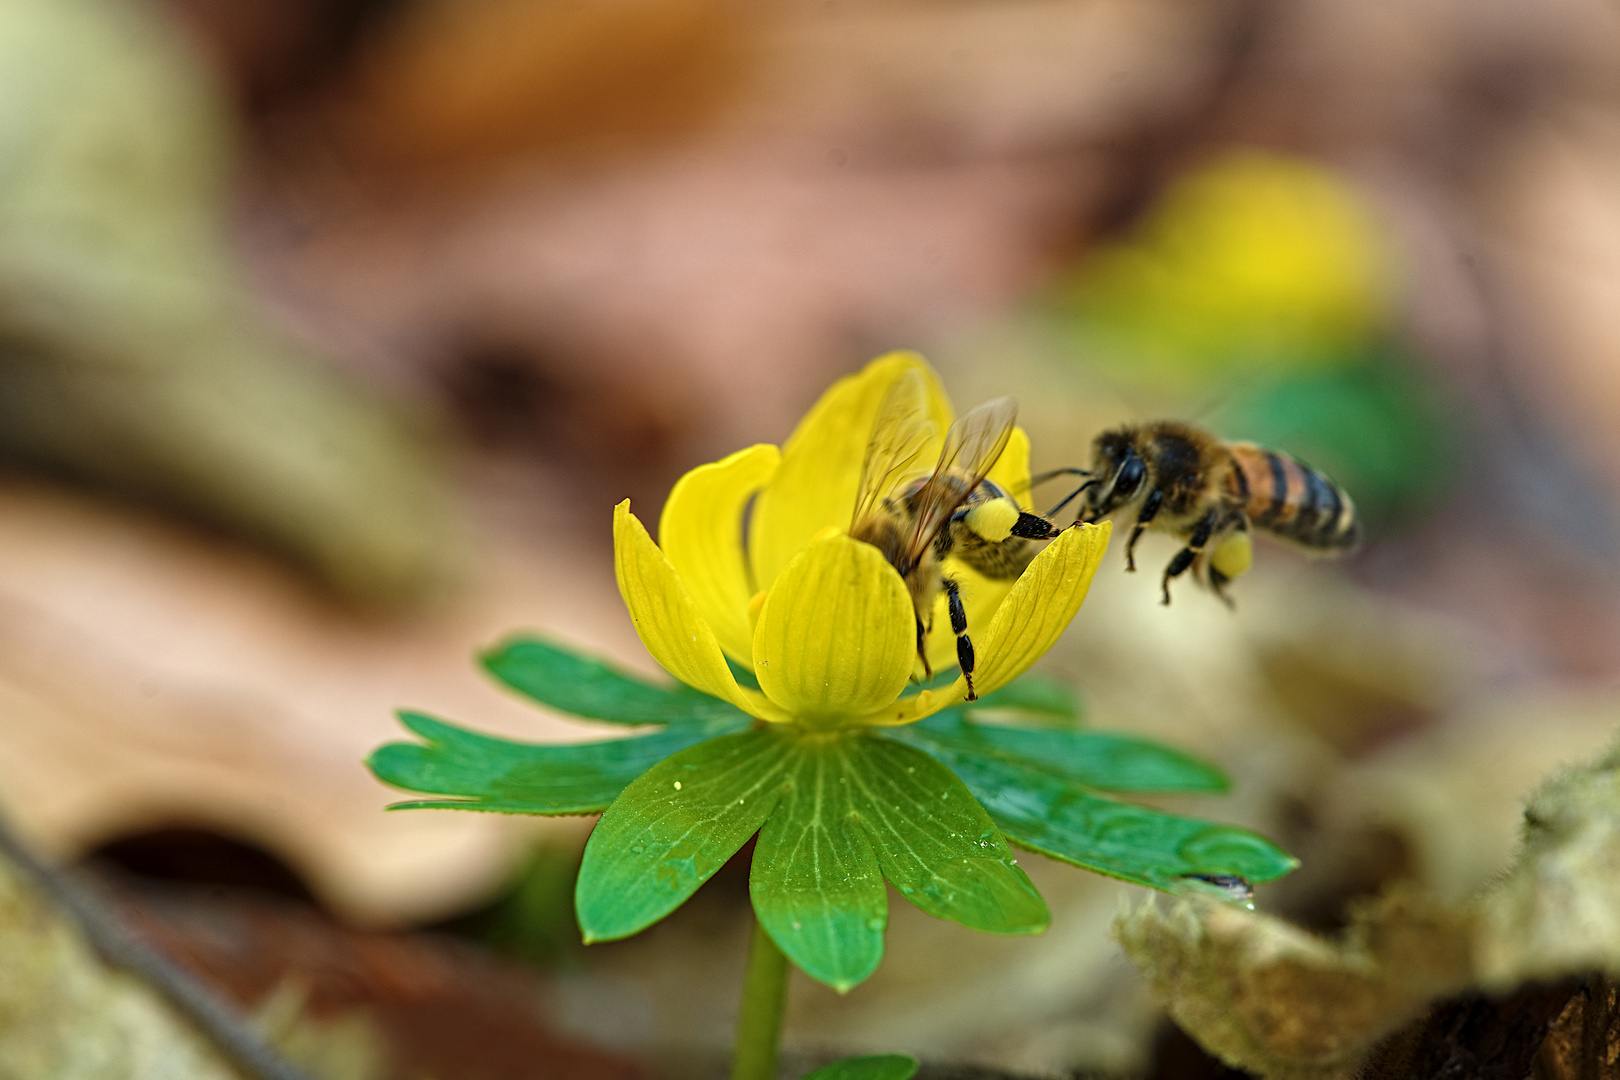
465 83
1268 997
152 679
1558 912
134 353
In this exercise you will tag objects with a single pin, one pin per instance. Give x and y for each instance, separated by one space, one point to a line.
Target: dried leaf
1266 996
1558 912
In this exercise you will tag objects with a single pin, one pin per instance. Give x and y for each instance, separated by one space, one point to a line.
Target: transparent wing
900 434
971 447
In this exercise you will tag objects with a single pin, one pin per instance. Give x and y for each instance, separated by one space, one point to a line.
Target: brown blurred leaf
1558 912
461 82
1268 997
133 353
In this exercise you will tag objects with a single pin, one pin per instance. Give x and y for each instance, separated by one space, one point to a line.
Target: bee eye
1130 477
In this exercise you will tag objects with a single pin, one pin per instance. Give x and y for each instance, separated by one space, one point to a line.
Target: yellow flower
822 619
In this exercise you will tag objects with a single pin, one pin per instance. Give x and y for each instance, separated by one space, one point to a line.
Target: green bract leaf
1044 813
815 882
488 773
840 812
935 842
674 827
876 1067
583 686
856 804
1094 758
1035 694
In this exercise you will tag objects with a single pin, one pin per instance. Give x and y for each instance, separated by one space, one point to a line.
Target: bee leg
922 650
1218 583
964 644
1150 510
1034 527
1184 558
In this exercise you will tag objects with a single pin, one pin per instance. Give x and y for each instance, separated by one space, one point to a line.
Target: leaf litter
1514 982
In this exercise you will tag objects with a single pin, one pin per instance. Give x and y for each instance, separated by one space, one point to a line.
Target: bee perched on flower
829 625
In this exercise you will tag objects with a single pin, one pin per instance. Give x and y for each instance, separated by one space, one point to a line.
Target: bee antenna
1056 509
1036 481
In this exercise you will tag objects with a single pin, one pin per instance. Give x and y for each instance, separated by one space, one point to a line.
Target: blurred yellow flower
1251 261
822 619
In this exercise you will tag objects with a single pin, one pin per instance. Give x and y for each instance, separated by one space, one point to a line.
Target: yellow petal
701 535
821 462
668 621
1040 606
837 635
1011 470
918 705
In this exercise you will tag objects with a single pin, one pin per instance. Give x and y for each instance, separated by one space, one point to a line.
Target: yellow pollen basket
1234 555
993 520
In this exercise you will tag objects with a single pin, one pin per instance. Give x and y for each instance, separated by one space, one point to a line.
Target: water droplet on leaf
1228 887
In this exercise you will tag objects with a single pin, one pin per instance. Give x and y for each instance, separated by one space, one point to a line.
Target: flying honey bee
1184 481
919 519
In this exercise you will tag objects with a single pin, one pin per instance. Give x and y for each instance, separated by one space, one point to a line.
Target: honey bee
920 519
1184 481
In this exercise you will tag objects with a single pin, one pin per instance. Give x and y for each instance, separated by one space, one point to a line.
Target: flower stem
759 1021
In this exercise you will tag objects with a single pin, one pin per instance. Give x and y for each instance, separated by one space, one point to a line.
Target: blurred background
331 331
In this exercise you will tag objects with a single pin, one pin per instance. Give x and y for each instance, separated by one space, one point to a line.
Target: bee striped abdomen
1290 499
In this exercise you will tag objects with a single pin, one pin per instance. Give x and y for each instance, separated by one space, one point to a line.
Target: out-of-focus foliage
66 1015
1558 912
345 1047
131 350
467 82
62 1014
1252 263
1270 998
875 1067
534 919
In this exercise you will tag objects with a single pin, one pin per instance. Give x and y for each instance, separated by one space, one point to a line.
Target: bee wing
971 447
900 434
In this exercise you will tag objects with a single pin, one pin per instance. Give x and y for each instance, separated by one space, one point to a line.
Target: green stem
759 1021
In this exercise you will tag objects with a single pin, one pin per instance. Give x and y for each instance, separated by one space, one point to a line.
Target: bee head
1118 472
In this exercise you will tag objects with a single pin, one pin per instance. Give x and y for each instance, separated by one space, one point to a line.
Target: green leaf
935 842
1034 694
1094 758
584 686
674 826
1044 813
855 805
489 773
876 1067
816 884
